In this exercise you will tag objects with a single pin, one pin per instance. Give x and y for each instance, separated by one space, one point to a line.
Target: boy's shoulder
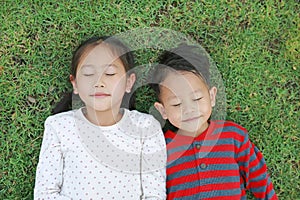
229 129
228 124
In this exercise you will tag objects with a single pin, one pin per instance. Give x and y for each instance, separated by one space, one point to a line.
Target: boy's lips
190 119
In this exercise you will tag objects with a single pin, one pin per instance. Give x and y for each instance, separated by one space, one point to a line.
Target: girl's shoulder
140 118
135 114
60 117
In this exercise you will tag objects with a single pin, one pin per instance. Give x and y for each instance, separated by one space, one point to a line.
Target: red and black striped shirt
220 163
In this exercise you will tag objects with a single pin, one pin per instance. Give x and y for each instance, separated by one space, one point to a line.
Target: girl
101 151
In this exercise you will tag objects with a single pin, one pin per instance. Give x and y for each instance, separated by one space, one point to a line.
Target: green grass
255 45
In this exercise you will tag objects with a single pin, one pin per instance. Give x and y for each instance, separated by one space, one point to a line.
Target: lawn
255 45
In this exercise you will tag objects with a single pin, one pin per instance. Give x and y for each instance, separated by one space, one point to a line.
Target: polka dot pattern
79 160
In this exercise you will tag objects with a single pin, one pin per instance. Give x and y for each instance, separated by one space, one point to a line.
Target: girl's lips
100 95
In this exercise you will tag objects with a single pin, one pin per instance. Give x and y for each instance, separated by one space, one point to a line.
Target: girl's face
186 102
101 80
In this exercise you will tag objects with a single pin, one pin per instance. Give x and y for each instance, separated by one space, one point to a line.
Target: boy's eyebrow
172 97
197 91
177 97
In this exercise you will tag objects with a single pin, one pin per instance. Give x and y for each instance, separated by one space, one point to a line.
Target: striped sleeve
253 169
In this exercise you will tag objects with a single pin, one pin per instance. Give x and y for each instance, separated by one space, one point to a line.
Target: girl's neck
103 118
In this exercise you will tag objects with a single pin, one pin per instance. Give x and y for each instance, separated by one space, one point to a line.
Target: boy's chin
191 131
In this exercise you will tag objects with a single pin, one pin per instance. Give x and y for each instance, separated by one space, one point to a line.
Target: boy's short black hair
185 57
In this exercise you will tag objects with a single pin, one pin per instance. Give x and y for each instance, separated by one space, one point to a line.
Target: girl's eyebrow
104 66
112 65
84 66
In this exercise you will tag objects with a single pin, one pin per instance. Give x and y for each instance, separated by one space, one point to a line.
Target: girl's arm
154 157
49 174
254 171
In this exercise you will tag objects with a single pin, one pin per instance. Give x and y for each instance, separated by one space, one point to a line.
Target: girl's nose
99 83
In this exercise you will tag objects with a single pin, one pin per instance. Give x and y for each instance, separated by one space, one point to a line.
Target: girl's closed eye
88 71
110 71
88 74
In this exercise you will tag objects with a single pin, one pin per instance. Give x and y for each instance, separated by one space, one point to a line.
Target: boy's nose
189 108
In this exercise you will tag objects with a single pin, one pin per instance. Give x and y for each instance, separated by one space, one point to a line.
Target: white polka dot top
79 160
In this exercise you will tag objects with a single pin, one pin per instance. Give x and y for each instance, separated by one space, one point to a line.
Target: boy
206 159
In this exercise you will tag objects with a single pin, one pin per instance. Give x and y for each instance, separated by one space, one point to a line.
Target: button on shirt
202 165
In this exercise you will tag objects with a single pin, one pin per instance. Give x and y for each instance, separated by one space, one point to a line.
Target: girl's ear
213 94
73 81
161 109
130 81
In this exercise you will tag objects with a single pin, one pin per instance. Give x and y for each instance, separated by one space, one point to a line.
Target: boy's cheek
169 112
174 117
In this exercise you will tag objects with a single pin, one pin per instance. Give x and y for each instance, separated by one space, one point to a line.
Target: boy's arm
254 171
153 163
50 167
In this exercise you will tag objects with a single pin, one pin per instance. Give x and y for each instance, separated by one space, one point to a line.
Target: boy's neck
194 134
103 118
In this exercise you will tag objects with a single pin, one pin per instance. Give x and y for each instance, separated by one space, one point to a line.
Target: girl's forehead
100 55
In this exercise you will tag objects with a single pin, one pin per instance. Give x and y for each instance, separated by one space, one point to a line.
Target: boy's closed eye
176 104
198 98
174 101
197 95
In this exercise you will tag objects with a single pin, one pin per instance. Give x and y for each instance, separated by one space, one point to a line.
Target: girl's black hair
185 57
117 47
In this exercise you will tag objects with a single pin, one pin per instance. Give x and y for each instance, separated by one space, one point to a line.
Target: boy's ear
161 110
130 81
213 94
73 81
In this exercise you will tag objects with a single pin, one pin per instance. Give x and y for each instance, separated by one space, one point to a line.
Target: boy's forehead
181 84
180 81
175 80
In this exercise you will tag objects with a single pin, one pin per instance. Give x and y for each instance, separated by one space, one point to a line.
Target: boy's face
186 102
